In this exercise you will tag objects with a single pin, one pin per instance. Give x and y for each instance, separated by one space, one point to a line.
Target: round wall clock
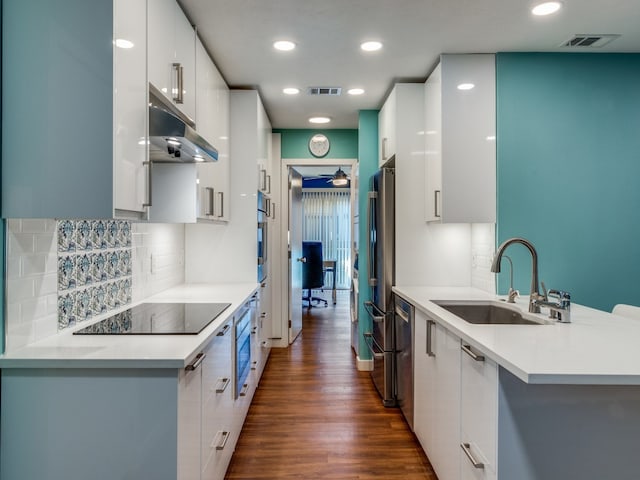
319 145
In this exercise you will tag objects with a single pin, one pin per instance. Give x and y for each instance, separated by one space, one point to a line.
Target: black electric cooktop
158 319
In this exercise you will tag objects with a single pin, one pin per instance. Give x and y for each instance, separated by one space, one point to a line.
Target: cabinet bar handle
384 148
267 206
196 363
224 330
429 349
268 183
221 195
263 179
273 210
149 179
466 448
222 384
436 203
467 349
243 392
210 211
224 437
179 71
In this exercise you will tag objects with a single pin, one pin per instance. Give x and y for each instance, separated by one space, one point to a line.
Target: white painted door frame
285 163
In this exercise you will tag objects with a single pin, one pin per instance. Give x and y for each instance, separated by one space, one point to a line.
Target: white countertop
596 348
66 350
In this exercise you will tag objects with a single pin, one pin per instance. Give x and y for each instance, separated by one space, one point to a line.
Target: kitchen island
545 402
128 406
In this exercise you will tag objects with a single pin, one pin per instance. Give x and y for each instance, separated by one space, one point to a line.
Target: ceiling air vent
325 90
589 40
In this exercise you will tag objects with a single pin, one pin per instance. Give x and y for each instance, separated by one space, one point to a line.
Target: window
327 219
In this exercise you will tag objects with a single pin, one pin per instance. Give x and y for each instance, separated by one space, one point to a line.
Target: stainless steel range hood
172 135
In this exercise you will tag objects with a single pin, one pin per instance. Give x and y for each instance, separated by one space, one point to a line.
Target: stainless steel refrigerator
381 272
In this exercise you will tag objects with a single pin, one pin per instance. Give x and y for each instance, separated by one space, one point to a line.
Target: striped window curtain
327 219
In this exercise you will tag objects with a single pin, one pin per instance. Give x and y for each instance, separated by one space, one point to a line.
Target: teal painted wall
368 164
295 142
568 154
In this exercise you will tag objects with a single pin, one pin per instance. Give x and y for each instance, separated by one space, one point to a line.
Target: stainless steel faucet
495 267
560 310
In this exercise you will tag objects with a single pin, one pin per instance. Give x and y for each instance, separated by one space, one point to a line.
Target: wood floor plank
315 416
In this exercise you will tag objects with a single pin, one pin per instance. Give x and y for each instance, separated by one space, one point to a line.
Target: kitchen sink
487 314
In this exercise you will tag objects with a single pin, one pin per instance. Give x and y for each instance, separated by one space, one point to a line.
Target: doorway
297 228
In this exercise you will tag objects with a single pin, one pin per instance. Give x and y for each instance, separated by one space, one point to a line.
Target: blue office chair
312 272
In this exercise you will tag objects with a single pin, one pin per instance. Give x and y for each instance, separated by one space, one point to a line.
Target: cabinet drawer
478 422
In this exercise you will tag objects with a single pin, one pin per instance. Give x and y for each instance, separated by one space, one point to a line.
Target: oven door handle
371 343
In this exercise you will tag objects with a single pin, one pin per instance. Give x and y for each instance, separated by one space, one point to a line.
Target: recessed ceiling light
355 91
123 43
490 138
319 120
291 91
284 45
546 8
466 86
371 46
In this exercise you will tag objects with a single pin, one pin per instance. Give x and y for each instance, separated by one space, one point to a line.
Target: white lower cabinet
437 395
478 412
190 420
217 405
456 403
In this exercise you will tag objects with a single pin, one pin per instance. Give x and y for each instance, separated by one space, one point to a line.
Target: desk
330 266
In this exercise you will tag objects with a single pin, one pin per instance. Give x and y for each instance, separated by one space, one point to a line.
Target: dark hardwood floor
315 416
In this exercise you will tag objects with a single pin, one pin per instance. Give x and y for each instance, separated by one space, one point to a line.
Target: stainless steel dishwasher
404 358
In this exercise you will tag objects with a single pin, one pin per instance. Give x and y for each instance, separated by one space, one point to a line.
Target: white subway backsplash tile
482 249
20 289
20 244
30 225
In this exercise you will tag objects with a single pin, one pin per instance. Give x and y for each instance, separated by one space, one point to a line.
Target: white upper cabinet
171 55
387 129
130 113
75 145
460 140
212 112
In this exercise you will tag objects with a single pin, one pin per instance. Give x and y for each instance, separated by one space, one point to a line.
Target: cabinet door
478 412
130 105
433 146
460 140
424 382
212 112
468 138
446 387
185 47
161 46
172 41
189 420
387 129
217 401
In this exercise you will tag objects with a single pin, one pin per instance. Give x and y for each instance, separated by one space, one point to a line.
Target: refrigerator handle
371 207
371 343
369 306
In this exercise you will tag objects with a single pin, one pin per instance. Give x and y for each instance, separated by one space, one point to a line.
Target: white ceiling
239 36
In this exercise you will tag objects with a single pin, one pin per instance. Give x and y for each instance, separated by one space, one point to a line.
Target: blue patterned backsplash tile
94 268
